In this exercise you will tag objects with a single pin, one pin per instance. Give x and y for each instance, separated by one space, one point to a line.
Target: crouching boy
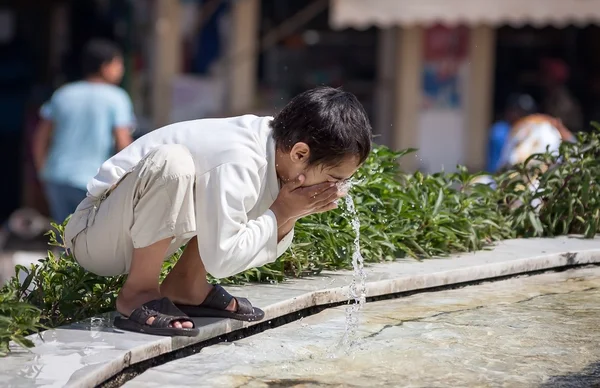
230 190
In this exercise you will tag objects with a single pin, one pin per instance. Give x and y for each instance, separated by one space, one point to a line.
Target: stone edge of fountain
522 257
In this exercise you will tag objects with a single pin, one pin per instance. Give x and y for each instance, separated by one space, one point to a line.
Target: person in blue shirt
83 125
517 107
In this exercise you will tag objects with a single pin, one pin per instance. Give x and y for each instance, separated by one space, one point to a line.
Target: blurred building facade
432 74
455 62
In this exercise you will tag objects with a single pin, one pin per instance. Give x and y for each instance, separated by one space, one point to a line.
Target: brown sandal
215 304
164 313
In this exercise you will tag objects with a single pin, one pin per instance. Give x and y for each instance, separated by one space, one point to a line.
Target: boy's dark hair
332 122
96 53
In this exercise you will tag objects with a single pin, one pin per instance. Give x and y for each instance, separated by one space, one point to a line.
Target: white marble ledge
88 353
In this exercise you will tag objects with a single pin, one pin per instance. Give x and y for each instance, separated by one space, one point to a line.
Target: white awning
362 14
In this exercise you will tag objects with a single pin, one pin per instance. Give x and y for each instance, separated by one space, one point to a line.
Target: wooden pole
167 58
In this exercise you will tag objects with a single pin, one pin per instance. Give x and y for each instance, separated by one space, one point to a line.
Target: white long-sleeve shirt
236 184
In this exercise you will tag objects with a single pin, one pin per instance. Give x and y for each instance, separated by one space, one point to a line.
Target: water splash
357 294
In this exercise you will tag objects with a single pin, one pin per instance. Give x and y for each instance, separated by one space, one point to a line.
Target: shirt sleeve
123 115
285 242
228 241
47 111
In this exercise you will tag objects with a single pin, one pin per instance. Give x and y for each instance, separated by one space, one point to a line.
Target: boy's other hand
295 201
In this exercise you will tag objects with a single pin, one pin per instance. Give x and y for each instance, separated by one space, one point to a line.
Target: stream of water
357 290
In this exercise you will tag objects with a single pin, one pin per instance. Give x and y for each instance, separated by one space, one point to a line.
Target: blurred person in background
533 134
83 125
517 107
558 101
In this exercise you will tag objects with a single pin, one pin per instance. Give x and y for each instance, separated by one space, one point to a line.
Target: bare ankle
187 284
191 293
129 299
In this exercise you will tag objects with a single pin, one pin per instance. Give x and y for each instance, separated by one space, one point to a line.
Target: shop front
445 66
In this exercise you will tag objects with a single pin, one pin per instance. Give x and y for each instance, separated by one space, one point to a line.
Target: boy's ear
300 153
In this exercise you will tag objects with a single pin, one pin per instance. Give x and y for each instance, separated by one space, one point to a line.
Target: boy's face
340 173
296 163
113 71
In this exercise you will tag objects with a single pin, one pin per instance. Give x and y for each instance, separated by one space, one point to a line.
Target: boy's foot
128 302
163 316
220 304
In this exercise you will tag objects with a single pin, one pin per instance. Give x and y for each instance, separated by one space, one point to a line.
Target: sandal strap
163 311
217 298
163 320
244 306
142 314
164 306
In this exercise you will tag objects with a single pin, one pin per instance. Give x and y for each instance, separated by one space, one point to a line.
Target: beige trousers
153 202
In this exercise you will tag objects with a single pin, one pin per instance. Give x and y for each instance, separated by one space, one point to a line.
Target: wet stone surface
541 330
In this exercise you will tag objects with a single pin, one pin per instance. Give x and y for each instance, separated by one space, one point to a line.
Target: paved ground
521 332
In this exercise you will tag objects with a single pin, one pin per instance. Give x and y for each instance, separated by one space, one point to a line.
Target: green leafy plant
62 290
17 320
400 214
567 198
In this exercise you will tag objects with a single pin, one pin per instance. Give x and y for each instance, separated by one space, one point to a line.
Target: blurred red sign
446 42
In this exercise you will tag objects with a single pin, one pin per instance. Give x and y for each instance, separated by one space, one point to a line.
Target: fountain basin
539 330
91 352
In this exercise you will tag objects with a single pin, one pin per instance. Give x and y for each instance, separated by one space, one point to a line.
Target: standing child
82 125
229 189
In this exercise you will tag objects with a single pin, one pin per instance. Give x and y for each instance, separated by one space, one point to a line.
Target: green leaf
535 222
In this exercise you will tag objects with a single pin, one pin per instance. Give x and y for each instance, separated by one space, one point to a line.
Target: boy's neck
96 79
280 166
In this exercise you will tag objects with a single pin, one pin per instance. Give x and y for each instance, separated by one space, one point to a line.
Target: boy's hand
294 201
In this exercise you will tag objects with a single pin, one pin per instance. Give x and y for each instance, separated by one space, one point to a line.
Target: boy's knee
175 159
